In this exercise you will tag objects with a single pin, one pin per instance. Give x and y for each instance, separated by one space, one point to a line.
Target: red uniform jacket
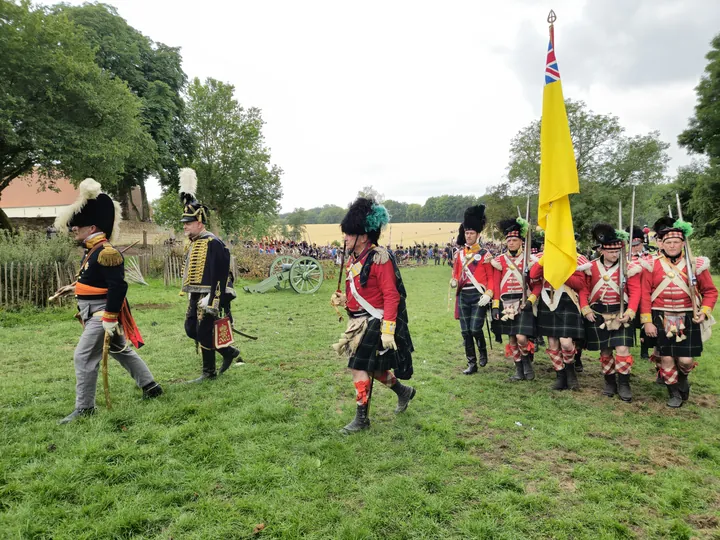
479 266
603 285
576 282
381 288
508 276
659 273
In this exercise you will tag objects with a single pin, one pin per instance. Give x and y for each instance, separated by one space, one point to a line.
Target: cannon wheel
306 275
276 269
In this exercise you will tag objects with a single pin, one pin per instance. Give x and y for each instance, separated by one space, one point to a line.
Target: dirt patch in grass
151 306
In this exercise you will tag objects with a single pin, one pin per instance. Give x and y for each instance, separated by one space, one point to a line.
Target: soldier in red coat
607 329
377 339
472 277
666 306
639 253
513 319
560 321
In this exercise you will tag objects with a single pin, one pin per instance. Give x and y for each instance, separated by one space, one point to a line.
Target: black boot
471 367
404 394
540 341
229 354
572 380
519 373
624 390
644 354
610 385
360 422
683 386
675 400
77 413
578 362
561 382
152 390
208 369
528 369
483 357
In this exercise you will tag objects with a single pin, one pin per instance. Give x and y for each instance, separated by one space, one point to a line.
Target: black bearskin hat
93 207
638 236
460 241
668 227
510 228
536 244
365 216
193 210
606 236
474 218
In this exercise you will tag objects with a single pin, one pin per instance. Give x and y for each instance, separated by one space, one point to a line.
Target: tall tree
153 72
236 178
703 137
58 110
609 164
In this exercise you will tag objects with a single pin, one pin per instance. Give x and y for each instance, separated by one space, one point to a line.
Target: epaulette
496 264
532 261
487 258
634 269
381 255
701 264
584 267
109 256
648 264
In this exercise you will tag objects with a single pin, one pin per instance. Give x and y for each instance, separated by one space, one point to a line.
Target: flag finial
551 17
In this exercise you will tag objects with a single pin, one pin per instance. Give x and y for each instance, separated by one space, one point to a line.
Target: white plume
90 189
188 181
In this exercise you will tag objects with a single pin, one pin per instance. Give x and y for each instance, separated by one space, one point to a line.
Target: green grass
473 457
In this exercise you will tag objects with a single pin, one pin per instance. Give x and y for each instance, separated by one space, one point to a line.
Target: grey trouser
88 354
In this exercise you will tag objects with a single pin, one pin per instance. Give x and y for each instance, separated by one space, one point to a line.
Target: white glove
484 300
203 302
110 327
453 283
388 341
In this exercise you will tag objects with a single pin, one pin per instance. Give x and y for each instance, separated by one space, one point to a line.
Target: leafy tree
235 176
703 137
397 210
58 110
296 222
153 72
609 164
371 192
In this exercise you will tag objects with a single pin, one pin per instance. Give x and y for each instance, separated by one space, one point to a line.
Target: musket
341 273
526 255
689 266
622 272
632 223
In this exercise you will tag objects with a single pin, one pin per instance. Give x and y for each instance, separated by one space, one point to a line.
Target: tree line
84 94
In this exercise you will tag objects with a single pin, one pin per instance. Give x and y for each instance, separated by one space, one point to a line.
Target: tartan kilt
566 321
597 338
366 357
690 347
648 341
523 324
472 317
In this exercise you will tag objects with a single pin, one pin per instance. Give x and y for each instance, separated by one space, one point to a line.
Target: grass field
257 453
406 234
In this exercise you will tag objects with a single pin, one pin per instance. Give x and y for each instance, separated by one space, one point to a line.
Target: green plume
523 226
622 235
685 226
377 217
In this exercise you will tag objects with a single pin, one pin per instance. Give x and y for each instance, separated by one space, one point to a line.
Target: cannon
303 275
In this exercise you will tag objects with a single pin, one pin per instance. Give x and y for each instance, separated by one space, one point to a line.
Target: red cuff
110 317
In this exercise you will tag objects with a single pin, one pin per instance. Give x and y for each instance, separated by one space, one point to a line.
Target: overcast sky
421 98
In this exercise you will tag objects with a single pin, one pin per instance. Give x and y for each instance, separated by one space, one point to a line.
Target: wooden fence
30 283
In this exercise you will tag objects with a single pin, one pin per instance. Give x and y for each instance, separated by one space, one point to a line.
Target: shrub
34 247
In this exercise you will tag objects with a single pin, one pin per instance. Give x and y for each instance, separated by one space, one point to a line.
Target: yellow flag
558 178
